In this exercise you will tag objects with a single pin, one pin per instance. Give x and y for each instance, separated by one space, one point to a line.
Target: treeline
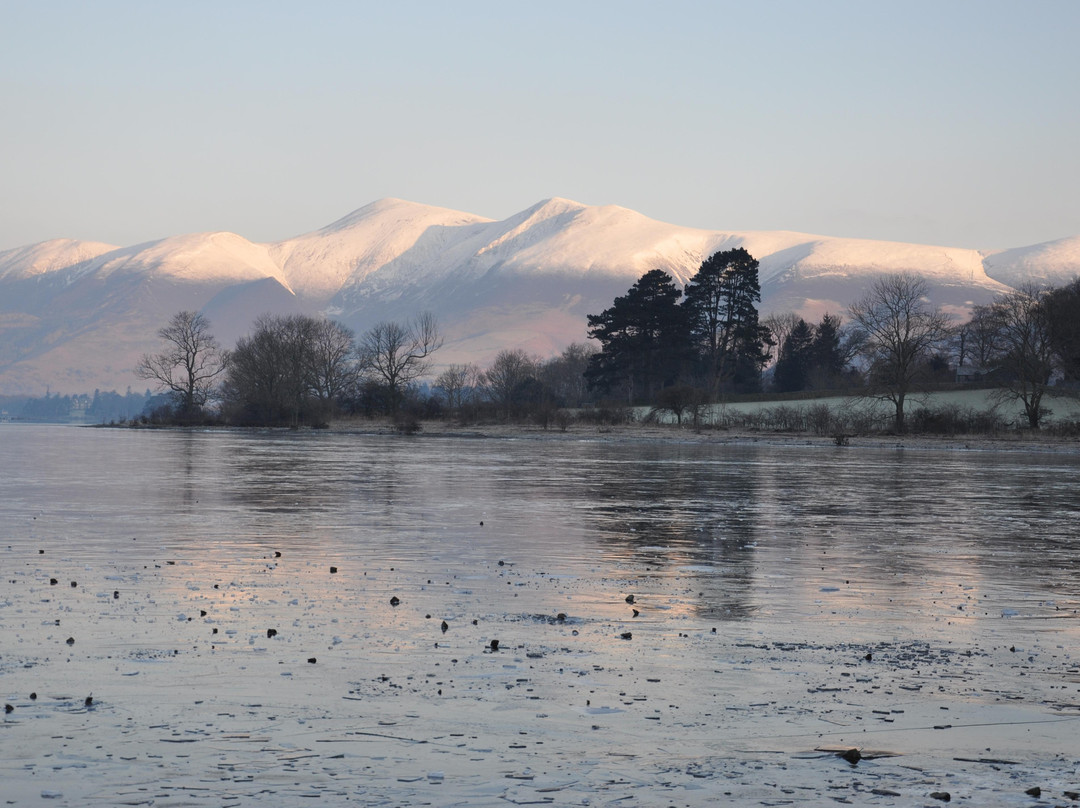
1027 344
681 350
303 371
676 350
288 371
516 387
99 407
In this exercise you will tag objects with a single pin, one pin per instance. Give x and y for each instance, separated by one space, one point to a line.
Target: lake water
787 573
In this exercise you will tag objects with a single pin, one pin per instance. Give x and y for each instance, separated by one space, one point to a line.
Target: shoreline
654 434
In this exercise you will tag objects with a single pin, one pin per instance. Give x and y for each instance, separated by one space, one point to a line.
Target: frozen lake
783 600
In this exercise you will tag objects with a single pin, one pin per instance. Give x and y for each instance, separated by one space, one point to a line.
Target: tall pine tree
721 304
828 357
642 337
796 361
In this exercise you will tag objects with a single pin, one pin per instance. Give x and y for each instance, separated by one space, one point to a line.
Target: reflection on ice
345 616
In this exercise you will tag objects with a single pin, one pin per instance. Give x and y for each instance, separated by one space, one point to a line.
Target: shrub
950 419
606 415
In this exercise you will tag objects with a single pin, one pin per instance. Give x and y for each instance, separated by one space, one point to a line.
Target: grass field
809 414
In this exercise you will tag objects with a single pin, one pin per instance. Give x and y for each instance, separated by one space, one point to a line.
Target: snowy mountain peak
319 264
542 219
77 315
553 206
392 209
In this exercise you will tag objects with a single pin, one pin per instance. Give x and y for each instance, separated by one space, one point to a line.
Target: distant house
974 374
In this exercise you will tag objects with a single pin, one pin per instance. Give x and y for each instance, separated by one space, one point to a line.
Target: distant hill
76 316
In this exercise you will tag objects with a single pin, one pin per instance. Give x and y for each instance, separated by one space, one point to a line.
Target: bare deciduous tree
290 369
978 339
397 354
190 363
1025 349
457 384
780 325
565 374
332 367
902 330
679 400
508 372
267 376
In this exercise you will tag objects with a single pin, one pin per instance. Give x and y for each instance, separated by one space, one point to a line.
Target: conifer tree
721 304
643 339
797 359
827 353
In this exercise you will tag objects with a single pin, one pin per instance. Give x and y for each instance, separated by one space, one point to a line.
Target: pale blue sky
952 123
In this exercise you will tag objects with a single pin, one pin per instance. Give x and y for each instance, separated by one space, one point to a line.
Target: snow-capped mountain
75 316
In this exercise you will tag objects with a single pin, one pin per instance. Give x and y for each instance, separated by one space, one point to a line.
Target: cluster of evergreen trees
708 335
103 406
812 357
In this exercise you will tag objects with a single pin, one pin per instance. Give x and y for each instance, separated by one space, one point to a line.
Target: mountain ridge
525 281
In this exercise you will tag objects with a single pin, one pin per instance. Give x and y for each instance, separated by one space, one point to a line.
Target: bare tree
780 325
902 330
268 375
332 366
978 339
289 370
565 374
508 372
397 354
1025 349
679 400
458 383
190 363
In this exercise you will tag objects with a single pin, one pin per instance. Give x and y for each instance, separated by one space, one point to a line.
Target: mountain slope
193 258
318 264
48 256
1053 262
85 325
77 315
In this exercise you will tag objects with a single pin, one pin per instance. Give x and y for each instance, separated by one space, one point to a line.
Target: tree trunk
1033 411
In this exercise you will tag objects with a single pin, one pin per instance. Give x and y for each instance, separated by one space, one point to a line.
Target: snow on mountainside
77 315
1054 262
193 258
554 238
318 264
48 256
573 259
825 274
563 236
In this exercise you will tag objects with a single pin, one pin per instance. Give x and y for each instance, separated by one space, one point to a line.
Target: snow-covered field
492 622
1062 408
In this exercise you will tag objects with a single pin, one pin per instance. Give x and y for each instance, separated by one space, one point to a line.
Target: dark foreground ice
576 622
